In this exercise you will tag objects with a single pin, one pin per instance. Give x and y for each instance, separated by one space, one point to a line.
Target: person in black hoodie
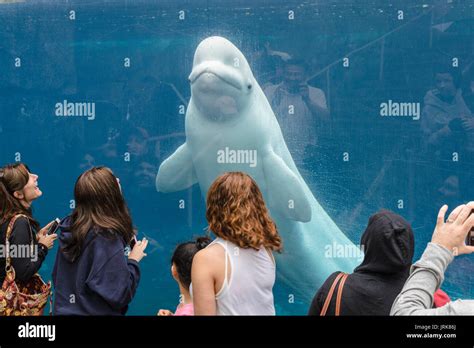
92 275
376 282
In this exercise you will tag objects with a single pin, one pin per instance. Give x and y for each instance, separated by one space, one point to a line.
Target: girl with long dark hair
92 275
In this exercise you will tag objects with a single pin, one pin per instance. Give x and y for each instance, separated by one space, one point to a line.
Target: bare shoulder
209 255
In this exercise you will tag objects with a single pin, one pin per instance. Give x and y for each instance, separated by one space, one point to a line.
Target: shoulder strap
223 244
342 278
226 262
7 238
339 294
330 293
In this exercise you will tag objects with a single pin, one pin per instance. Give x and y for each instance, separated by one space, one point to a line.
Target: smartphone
133 242
54 226
470 235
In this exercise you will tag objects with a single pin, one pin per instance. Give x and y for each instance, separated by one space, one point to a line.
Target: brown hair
236 212
100 207
14 177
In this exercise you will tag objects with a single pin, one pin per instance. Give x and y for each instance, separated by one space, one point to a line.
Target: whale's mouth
227 76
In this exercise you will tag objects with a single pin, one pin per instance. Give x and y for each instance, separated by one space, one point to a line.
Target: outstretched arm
427 274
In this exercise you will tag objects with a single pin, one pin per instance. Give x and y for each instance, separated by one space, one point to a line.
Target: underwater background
363 60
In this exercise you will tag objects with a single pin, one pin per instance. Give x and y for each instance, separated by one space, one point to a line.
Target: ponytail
202 242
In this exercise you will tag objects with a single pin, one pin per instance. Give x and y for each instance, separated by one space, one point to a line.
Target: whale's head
221 80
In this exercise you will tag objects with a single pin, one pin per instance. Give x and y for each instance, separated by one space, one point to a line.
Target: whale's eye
249 86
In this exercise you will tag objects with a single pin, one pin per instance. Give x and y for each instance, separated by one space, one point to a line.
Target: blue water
356 163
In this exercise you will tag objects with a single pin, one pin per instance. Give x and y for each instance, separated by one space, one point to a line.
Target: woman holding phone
18 189
92 275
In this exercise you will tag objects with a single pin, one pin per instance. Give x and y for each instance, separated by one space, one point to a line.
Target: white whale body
229 114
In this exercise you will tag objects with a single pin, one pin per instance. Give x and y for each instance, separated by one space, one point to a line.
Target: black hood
388 244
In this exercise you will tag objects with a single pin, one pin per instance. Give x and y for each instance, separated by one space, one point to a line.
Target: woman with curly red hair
235 274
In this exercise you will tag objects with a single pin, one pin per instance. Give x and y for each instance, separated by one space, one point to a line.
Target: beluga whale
230 126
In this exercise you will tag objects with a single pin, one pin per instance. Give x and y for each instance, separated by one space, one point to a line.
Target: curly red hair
237 212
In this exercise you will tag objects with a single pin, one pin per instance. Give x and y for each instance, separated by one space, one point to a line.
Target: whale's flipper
285 191
177 171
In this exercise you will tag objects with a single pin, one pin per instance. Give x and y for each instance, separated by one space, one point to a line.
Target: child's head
182 259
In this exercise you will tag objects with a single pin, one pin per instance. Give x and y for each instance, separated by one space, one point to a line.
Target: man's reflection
300 109
445 115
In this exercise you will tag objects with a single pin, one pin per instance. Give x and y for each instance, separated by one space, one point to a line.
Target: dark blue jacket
101 281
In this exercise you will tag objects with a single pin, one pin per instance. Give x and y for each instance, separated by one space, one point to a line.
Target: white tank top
249 289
